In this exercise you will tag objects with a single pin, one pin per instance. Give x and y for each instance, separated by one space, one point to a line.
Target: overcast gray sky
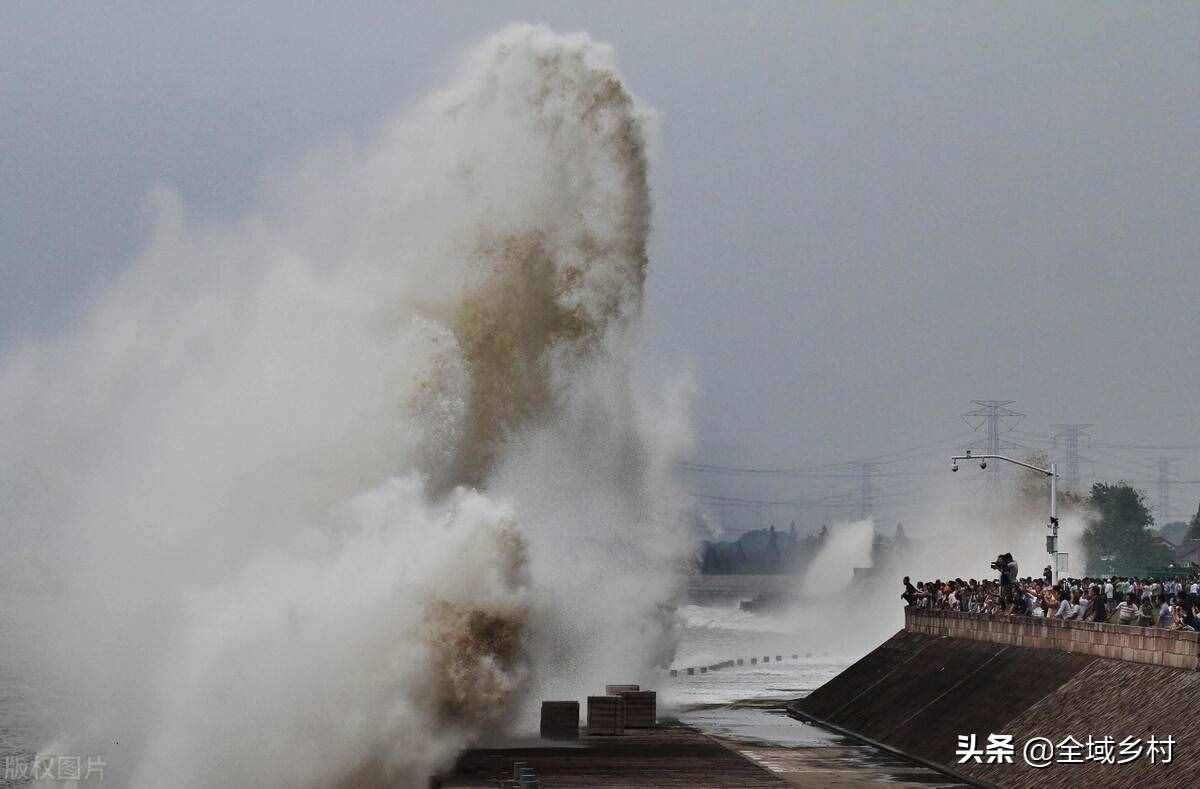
865 216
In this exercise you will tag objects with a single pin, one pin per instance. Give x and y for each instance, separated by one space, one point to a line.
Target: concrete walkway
672 755
675 755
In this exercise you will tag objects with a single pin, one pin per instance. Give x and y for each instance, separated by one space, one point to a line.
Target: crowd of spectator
1173 604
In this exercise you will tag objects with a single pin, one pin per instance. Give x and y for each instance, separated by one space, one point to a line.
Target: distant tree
1118 538
1193 531
772 557
880 546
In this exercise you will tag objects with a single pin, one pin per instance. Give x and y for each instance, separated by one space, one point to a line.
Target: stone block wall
1151 645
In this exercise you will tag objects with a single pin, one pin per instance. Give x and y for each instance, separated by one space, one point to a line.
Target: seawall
949 674
709 589
1151 645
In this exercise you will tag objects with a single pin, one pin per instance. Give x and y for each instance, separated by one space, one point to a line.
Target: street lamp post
1052 473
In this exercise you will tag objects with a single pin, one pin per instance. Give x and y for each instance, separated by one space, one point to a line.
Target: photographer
1008 576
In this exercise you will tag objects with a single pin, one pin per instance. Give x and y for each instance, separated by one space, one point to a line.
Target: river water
744 700
745 705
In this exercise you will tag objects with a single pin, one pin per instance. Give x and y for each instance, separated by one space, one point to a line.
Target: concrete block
604 715
560 719
640 707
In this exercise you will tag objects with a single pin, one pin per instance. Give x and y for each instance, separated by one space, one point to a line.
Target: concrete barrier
640 708
560 720
1151 645
605 715
724 664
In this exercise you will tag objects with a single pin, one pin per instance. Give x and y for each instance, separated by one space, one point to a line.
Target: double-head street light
1052 473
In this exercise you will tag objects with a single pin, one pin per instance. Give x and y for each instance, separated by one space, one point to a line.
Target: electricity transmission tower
1163 467
866 472
1164 480
1070 435
998 417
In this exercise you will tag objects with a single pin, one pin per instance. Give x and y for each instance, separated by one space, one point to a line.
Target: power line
897 455
737 500
704 468
1152 447
688 465
1164 489
818 471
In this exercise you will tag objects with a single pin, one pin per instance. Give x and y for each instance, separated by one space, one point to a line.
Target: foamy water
317 496
714 634
744 703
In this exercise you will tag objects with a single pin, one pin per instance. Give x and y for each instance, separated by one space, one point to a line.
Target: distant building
1186 553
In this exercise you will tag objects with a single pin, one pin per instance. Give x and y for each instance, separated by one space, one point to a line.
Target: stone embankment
948 675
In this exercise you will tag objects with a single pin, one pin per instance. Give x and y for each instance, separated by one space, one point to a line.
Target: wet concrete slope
918 692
